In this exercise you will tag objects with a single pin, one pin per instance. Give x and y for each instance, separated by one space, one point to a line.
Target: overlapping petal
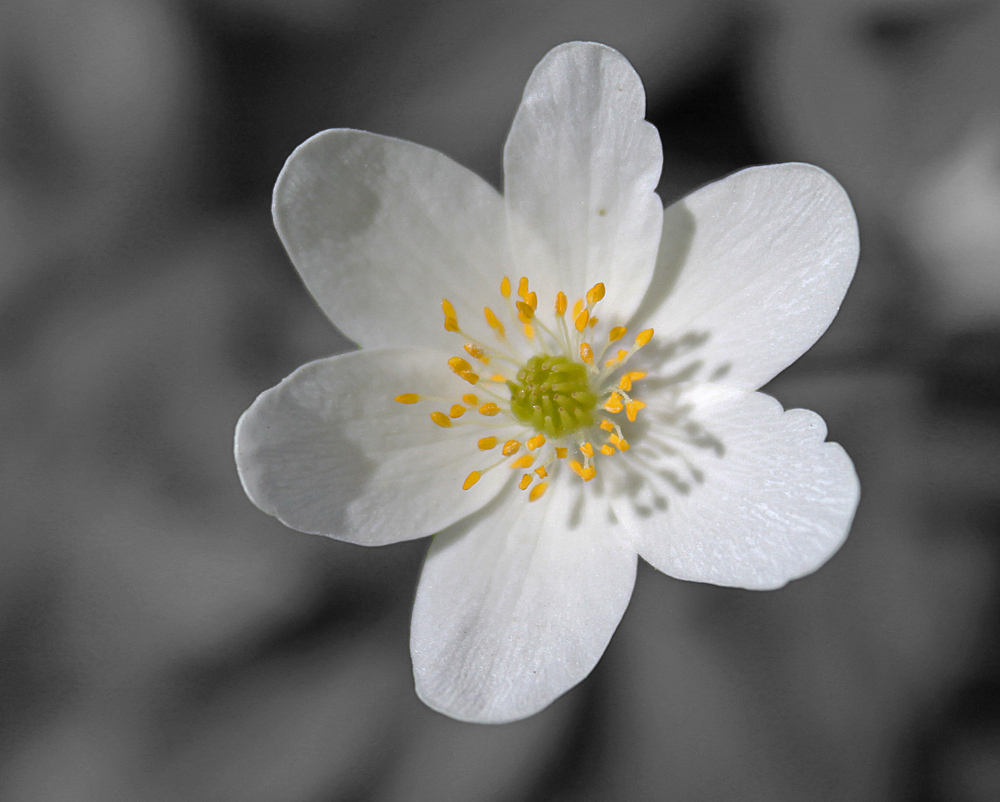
516 604
328 451
758 263
758 500
381 229
580 169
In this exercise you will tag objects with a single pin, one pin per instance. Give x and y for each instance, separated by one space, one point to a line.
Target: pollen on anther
540 470
581 320
441 419
617 333
525 481
614 403
505 287
522 287
525 312
487 443
523 462
535 442
459 365
489 409
632 408
595 293
561 453
560 303
470 399
622 353
586 474
643 337
407 398
587 448
607 425
531 299
475 351
456 411
587 353
538 491
622 444
607 450
625 383
511 447
471 479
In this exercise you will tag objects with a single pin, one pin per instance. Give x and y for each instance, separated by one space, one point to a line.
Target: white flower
430 428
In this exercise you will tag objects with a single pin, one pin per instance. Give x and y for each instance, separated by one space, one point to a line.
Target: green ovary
553 395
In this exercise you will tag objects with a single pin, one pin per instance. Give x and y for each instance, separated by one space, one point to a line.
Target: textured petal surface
517 603
580 167
736 491
329 452
381 230
757 264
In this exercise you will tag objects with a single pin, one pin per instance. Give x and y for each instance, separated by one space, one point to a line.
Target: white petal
328 451
381 230
580 167
740 493
517 603
756 263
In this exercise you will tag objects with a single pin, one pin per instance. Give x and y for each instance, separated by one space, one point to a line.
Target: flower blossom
554 380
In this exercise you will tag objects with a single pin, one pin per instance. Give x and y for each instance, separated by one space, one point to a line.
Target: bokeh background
162 639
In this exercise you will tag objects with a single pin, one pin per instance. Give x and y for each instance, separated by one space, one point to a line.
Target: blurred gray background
162 639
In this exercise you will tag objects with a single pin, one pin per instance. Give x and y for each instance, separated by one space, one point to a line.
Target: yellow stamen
510 448
525 312
496 377
623 444
407 398
561 304
614 439
469 376
622 353
577 308
529 331
459 365
643 337
595 293
487 443
617 333
525 481
493 320
587 353
531 299
522 287
523 462
561 453
540 470
505 287
632 376
489 409
535 442
471 479
538 491
441 419
587 448
632 408
451 324
586 474
470 399
607 425
457 411
607 450
593 322
449 310
475 351
581 320
614 403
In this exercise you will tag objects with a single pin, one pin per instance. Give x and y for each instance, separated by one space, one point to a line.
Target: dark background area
162 639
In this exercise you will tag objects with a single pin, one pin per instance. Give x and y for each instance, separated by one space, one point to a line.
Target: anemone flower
554 380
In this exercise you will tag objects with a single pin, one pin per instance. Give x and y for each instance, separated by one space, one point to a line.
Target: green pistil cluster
552 394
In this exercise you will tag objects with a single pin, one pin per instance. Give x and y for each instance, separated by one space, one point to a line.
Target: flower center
552 395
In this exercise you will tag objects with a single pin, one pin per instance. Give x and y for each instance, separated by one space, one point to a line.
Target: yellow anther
625 383
523 462
511 447
451 324
593 322
494 321
587 448
524 311
622 353
487 443
607 450
475 351
522 287
587 353
614 439
560 303
505 287
614 403
538 491
407 398
540 470
535 442
459 365
441 419
623 444
607 425
561 453
449 310
471 479
489 409
496 377
580 321
529 331
577 308
469 376
470 399
595 293
617 333
632 408
643 337
457 411
531 299
586 474
525 481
